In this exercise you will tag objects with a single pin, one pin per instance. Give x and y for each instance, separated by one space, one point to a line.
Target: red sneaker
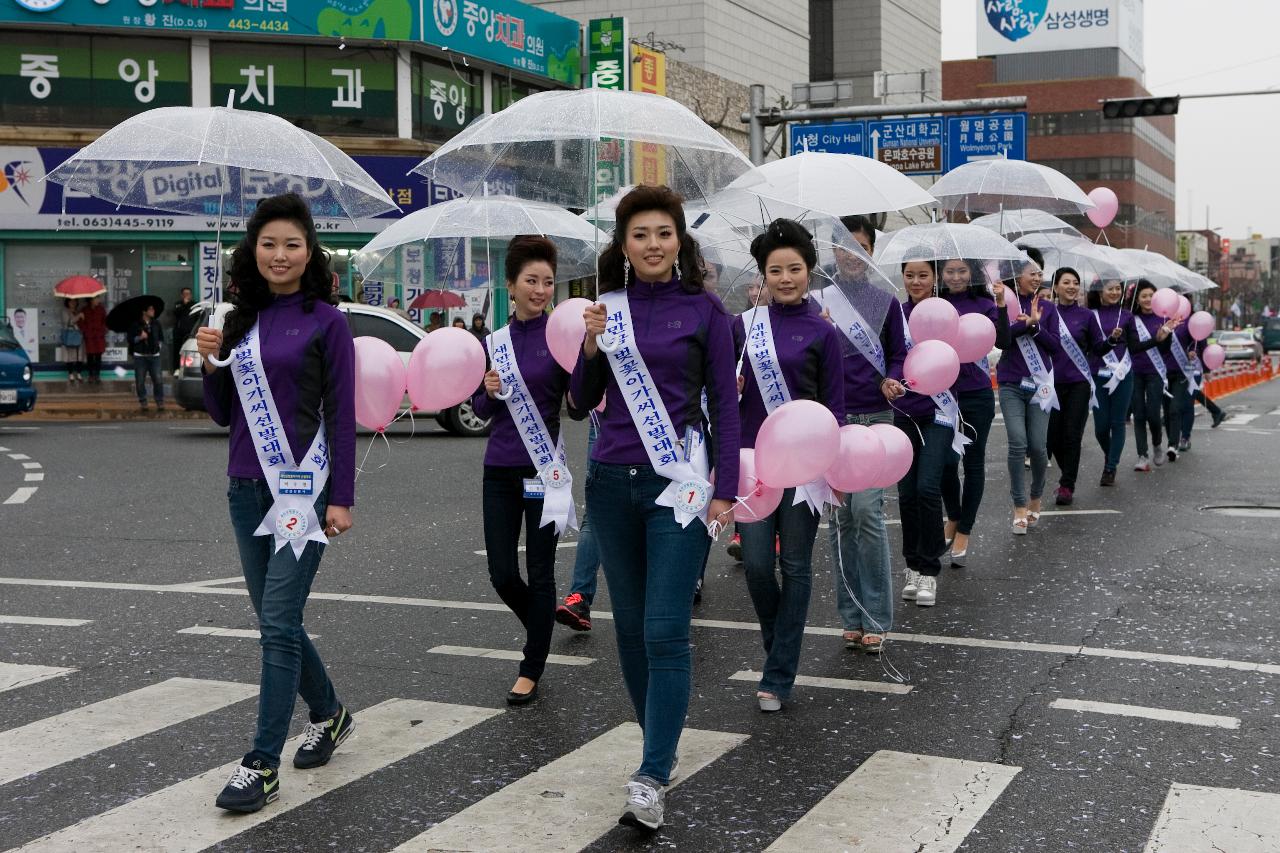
575 612
735 547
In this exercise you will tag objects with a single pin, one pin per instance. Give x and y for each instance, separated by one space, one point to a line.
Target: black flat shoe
514 698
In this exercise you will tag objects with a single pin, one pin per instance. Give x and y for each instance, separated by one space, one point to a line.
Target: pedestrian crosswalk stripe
1163 714
18 457
44 620
1241 419
55 740
32 465
896 803
182 817
507 654
569 803
832 683
20 495
37 477
1196 818
14 675
214 631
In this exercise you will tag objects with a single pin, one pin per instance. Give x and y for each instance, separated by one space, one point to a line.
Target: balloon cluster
445 368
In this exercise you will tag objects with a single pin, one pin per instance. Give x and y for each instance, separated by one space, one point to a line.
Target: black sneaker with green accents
320 739
252 785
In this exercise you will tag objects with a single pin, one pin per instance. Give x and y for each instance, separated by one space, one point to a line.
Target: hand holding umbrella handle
607 343
218 362
505 393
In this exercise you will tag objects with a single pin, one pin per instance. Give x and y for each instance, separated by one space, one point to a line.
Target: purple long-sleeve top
808 351
687 344
1013 367
546 381
309 360
1087 334
913 403
862 394
1142 360
973 375
1112 317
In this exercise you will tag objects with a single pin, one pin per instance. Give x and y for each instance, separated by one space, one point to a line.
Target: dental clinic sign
1035 26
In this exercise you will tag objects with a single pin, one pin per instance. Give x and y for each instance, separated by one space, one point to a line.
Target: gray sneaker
645 803
675 769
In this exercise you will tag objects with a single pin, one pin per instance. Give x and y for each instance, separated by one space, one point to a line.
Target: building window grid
1087 122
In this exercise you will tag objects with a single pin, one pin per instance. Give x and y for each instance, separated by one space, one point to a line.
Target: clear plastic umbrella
988 186
944 241
1013 223
1158 269
490 217
548 147
1094 264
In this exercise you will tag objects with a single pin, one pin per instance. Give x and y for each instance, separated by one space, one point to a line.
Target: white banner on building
1035 26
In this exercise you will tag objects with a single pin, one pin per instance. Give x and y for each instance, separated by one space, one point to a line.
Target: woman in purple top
681 334
1024 393
1116 323
513 487
805 348
920 492
1076 325
307 361
1151 377
962 287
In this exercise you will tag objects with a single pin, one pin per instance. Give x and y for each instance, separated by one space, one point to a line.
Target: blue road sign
913 146
981 137
841 137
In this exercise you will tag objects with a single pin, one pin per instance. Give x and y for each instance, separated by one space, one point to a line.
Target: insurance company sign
1033 26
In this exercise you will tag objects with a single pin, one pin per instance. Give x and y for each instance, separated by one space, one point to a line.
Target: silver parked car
363 320
1241 345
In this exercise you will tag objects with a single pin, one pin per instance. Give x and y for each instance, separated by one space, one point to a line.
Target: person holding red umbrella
93 326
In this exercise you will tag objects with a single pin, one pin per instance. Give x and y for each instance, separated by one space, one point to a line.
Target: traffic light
1139 107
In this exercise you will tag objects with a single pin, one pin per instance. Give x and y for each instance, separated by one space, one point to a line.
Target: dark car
1270 334
17 394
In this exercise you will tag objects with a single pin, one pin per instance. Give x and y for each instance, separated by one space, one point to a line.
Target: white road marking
1162 714
181 817
832 683
37 477
1275 413
18 457
507 654
1196 819
19 429
32 466
568 804
1049 512
43 620
65 737
1240 419
560 546
243 633
15 675
898 803
4 450
218 581
20 495
815 630
99 427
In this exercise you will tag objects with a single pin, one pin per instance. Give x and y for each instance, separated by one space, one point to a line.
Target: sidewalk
113 400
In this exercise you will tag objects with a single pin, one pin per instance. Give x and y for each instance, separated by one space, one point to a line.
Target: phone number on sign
269 26
114 222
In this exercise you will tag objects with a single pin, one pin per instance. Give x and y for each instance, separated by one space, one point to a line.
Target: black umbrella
130 311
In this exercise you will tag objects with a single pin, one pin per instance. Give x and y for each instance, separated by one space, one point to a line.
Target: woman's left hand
337 520
720 510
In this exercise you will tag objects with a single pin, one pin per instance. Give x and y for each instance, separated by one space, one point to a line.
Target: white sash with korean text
1153 354
772 385
851 323
294 485
1116 368
547 456
1189 368
682 460
1073 351
948 410
1041 375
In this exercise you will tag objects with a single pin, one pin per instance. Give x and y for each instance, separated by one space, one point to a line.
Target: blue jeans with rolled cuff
278 585
860 553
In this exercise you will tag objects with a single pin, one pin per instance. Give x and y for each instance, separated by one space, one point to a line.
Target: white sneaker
1158 455
913 585
1172 454
1143 464
645 804
927 592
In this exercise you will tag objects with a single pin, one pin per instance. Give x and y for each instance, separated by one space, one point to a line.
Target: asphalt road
1137 598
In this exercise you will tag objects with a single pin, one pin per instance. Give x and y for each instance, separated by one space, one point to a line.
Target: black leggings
95 364
1066 429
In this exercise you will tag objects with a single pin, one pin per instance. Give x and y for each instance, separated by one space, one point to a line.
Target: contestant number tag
535 489
692 497
296 482
942 420
556 476
1028 385
291 524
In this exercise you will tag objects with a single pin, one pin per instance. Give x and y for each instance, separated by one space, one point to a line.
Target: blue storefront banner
509 33
29 202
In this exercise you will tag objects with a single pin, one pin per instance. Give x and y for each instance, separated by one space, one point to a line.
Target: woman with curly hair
281 374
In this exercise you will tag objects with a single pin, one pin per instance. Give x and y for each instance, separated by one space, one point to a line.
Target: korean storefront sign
649 74
608 67
444 100
512 34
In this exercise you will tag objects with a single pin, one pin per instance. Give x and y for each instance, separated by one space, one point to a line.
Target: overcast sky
1227 147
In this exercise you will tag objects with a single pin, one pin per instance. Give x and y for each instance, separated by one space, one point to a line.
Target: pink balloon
1105 206
975 339
565 330
931 367
1184 307
758 500
1164 303
1213 356
380 383
859 462
934 319
447 366
1012 306
898 454
1200 325
797 444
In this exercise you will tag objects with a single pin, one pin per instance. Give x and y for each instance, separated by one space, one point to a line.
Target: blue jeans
1027 428
860 553
144 366
586 567
1109 418
651 564
1148 391
278 587
920 493
781 609
978 409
